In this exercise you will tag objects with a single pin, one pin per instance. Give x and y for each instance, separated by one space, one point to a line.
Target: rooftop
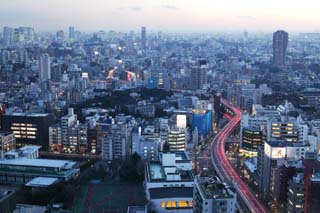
171 192
28 114
42 182
64 164
213 188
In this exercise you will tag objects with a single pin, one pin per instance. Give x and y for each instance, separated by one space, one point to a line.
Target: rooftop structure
212 195
24 163
169 182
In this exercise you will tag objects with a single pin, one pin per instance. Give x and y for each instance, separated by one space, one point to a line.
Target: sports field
111 196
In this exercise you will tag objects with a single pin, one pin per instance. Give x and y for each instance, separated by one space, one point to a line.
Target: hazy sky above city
165 15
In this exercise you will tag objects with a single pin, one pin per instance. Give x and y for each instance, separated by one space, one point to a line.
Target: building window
182 203
171 204
162 204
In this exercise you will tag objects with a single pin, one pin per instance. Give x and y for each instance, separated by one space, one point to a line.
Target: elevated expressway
223 167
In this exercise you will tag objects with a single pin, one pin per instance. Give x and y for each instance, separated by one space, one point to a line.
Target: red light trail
223 166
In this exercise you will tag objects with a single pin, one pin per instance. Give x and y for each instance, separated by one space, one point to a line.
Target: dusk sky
165 15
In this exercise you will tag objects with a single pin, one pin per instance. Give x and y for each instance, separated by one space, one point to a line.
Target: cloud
169 7
250 18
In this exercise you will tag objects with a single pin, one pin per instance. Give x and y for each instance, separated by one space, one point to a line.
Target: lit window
171 204
162 204
183 203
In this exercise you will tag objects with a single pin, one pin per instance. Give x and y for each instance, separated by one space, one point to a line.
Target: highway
223 167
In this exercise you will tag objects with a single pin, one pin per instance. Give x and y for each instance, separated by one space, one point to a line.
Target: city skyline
165 15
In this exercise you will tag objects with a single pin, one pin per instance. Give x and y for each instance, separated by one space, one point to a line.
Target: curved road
223 166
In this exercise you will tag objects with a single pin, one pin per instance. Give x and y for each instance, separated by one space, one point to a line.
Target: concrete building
44 68
28 128
198 76
211 195
296 194
176 139
7 143
280 44
169 183
116 144
145 146
251 139
21 166
274 155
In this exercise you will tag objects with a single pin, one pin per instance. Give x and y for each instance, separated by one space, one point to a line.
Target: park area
108 196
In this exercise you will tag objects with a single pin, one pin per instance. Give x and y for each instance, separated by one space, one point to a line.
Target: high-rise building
143 37
44 68
280 44
199 75
7 36
60 35
71 32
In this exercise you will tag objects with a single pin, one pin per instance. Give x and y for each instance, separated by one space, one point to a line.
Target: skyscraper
280 44
199 75
44 68
143 37
7 36
71 32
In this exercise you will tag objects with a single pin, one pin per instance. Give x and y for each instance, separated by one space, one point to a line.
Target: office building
169 183
7 36
176 139
275 154
199 76
202 120
116 144
146 146
71 32
251 139
296 194
143 37
67 122
284 130
212 195
7 142
55 138
280 44
28 128
44 68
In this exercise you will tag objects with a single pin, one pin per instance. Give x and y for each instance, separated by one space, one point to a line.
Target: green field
108 196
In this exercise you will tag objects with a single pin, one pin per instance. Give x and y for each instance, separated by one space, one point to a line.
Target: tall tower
7 36
71 32
143 37
199 75
44 68
280 44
